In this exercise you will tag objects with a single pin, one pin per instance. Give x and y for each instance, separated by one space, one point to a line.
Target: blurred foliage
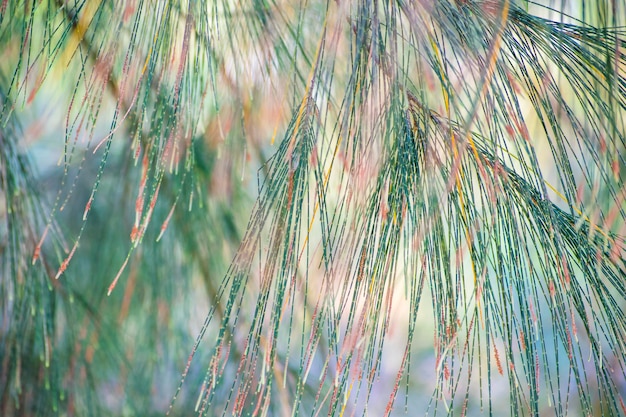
434 193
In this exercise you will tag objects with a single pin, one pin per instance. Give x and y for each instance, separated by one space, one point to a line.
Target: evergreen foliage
358 207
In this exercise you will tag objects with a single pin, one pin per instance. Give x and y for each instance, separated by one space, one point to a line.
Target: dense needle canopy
261 207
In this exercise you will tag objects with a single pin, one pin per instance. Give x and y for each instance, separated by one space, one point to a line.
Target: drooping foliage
305 208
